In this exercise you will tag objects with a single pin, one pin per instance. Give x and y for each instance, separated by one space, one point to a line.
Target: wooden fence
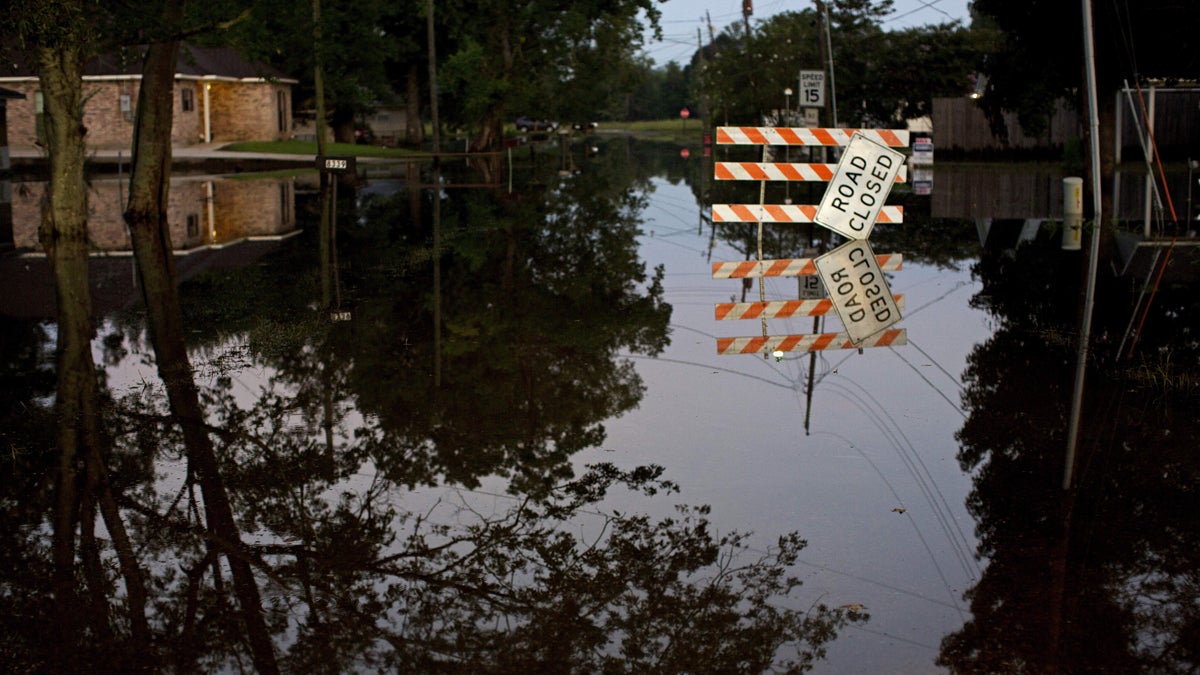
960 127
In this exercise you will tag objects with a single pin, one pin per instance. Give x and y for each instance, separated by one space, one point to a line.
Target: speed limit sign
812 88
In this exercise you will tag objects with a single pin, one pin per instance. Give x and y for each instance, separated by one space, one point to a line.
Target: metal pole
1093 260
337 281
1188 217
1149 151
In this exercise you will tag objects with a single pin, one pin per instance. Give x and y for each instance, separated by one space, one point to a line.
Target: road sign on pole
812 88
862 182
858 289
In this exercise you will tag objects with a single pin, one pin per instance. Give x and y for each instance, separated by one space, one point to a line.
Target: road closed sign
855 284
859 187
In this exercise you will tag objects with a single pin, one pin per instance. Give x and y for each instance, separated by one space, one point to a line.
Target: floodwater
496 435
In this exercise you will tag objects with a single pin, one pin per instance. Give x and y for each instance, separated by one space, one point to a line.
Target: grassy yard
676 130
310 148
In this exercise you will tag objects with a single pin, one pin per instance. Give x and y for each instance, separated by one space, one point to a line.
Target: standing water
587 484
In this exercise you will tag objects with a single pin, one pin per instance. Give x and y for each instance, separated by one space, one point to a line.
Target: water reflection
214 223
280 484
203 211
1103 578
360 515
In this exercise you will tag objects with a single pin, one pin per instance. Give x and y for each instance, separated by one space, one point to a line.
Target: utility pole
712 41
826 48
318 77
823 55
433 99
747 10
1085 328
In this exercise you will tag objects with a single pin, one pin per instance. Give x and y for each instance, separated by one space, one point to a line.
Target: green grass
672 130
676 130
691 124
310 148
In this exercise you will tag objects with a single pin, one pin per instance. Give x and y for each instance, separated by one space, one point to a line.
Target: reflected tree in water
1103 578
543 296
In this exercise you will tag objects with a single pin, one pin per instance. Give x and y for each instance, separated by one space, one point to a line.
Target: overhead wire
925 482
909 457
921 375
899 500
924 6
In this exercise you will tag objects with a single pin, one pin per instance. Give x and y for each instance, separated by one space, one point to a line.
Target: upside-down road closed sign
859 292
859 187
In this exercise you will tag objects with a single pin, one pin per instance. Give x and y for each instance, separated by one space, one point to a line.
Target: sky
681 18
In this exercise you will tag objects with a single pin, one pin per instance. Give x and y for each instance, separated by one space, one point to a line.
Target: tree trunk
147 220
342 123
414 130
491 130
63 234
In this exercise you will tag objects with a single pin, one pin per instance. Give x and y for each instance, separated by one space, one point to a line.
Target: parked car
531 124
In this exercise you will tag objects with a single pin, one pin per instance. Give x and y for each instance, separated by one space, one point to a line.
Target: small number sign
335 164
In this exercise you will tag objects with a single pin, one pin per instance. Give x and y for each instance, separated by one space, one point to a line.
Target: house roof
194 63
223 62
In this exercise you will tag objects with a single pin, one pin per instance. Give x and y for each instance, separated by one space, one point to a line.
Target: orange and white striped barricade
808 343
789 171
779 309
786 213
788 267
801 136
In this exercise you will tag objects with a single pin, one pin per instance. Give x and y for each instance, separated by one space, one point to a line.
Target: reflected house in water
1011 203
203 211
214 222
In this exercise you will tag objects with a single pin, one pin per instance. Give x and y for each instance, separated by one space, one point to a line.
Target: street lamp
787 105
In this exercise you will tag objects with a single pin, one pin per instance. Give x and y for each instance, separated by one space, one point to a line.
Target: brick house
219 98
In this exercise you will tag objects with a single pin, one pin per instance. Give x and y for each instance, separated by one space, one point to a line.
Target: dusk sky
681 18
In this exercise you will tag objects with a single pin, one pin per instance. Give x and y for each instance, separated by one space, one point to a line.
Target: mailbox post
327 164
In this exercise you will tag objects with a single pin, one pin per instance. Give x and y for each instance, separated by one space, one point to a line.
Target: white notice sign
812 89
922 150
858 289
859 187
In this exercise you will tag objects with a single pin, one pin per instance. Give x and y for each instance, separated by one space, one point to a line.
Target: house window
193 225
187 99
